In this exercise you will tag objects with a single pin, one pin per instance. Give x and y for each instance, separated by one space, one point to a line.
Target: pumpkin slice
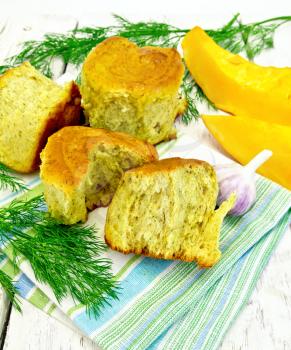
236 85
244 137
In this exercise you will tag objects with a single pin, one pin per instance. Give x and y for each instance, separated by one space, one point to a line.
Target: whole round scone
81 168
133 89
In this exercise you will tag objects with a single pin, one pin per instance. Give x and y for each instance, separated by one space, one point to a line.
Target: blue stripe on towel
24 285
136 281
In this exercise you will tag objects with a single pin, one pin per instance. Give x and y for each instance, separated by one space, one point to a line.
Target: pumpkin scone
133 89
81 168
166 210
32 107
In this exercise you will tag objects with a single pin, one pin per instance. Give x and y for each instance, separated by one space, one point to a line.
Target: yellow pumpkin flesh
236 85
243 138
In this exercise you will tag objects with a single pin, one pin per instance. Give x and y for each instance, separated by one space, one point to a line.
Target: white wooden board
35 330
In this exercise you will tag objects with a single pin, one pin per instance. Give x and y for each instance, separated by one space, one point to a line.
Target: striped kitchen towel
171 304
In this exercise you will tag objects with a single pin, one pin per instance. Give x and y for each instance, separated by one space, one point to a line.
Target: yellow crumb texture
81 168
166 210
32 107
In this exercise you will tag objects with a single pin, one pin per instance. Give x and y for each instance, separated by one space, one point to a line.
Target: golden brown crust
66 113
167 165
65 158
9 73
145 252
118 63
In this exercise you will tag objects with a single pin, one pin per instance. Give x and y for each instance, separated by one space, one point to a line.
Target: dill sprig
9 181
67 258
74 46
251 39
11 291
149 33
187 93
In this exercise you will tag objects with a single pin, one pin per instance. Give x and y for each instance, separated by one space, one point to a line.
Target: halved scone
32 107
166 210
133 89
81 168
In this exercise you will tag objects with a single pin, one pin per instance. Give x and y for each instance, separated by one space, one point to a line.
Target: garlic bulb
240 180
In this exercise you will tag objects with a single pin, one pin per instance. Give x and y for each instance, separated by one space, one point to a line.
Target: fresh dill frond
75 45
6 283
194 95
5 67
188 93
250 39
149 33
9 181
67 258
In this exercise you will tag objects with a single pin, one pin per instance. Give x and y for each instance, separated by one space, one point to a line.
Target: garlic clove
234 178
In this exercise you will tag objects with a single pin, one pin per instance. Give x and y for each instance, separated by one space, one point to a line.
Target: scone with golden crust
166 210
133 89
81 168
32 107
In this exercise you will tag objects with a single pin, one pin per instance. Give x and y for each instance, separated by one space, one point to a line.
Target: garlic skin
234 178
